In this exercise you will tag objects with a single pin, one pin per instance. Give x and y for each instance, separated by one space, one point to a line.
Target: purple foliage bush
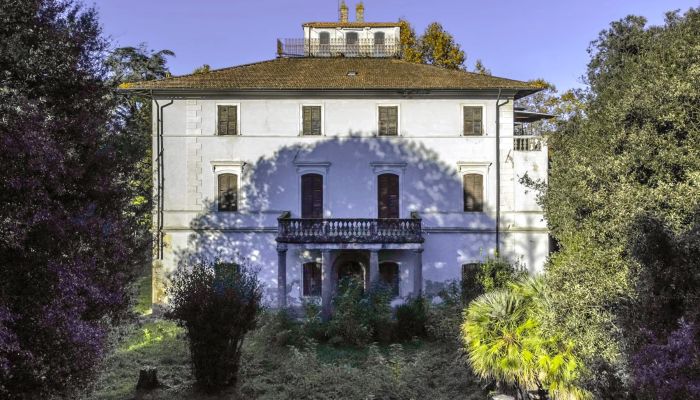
67 248
670 368
218 303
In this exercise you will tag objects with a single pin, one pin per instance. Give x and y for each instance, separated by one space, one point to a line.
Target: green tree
202 70
133 114
633 149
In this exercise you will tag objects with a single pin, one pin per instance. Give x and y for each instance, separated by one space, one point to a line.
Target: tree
202 70
133 116
410 49
479 68
634 149
436 47
68 248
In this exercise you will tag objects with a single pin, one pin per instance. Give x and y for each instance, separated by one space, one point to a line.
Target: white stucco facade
269 155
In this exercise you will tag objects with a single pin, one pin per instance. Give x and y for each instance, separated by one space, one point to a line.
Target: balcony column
326 284
418 274
281 276
373 267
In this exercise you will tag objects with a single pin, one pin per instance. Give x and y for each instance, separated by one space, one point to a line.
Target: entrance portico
349 246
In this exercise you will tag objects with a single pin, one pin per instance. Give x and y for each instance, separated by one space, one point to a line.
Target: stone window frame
220 167
479 168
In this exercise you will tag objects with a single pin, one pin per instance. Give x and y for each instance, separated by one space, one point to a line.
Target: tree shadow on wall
270 185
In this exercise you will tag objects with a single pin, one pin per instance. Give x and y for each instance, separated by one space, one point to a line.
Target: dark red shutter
312 196
388 195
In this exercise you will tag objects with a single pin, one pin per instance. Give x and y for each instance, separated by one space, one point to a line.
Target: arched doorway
351 264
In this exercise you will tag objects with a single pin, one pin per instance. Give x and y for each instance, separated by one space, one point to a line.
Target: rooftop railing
349 230
300 47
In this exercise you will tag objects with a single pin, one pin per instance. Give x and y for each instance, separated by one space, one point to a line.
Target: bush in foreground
218 304
505 342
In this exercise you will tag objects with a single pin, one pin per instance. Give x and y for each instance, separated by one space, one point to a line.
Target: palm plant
505 342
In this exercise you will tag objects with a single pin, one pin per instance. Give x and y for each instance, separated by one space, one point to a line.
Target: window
379 38
227 120
473 121
389 274
324 42
351 38
473 192
388 120
311 120
312 279
388 195
228 192
312 196
470 285
379 48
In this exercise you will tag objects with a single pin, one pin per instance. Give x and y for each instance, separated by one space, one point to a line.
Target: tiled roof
351 24
308 73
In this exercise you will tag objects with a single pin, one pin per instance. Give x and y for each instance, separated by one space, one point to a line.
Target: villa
337 158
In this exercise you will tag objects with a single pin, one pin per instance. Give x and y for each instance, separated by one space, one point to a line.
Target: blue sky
523 39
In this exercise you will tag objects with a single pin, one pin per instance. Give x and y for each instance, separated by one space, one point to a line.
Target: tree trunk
148 379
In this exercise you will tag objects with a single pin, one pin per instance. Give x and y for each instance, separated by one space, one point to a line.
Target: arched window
379 38
312 196
352 46
473 192
228 192
324 38
312 279
351 38
389 273
388 195
324 42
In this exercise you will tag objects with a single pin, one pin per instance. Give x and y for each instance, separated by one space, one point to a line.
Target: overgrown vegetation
631 151
218 303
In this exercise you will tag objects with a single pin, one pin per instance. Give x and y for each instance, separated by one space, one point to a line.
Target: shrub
494 273
444 319
504 341
411 319
218 304
279 328
360 316
350 323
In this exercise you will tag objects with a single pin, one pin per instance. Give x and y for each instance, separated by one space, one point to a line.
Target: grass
415 370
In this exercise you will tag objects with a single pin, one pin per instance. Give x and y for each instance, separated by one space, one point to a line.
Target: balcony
348 230
524 139
300 47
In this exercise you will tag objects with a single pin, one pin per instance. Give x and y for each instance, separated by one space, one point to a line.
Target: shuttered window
473 121
312 196
227 120
388 195
388 121
379 38
473 192
228 192
389 273
311 120
312 279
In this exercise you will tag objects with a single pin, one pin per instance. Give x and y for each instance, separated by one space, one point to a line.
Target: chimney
360 12
343 12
